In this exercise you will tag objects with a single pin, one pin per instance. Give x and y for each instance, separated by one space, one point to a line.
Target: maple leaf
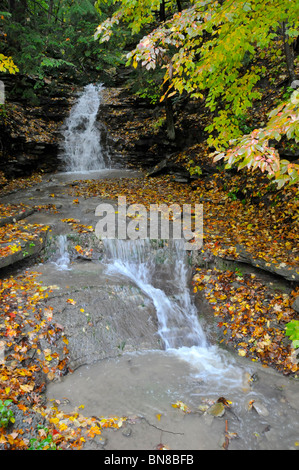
48 312
93 431
27 387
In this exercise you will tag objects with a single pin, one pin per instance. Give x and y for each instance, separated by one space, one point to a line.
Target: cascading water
179 325
178 322
63 261
142 385
82 150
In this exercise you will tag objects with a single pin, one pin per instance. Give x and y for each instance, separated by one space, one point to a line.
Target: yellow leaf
27 387
62 427
54 420
242 352
179 404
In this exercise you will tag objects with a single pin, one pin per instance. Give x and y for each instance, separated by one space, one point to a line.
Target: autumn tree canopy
216 51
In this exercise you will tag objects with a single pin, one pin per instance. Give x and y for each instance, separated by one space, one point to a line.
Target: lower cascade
214 390
149 265
82 150
63 261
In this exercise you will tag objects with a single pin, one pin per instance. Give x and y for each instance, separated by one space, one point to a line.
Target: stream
143 385
147 348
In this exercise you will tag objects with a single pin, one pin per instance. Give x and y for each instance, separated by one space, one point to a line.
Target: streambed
121 367
144 386
136 341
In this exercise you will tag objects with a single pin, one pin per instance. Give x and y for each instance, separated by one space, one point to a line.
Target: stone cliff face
136 131
30 134
132 130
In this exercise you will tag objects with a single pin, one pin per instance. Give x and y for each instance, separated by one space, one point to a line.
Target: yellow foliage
7 65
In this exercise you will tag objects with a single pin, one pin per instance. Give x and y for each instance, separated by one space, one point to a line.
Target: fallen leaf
179 404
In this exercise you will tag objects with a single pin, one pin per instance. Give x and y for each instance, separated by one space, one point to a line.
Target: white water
63 262
82 150
179 325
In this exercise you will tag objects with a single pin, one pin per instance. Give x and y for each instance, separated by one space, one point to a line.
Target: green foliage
3 111
254 150
45 443
233 195
194 170
215 51
47 39
49 62
215 47
238 272
6 414
150 92
158 123
292 330
145 86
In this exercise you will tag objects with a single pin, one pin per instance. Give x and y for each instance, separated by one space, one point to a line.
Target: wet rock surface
105 316
110 323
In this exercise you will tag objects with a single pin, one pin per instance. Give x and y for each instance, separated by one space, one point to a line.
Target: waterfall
63 261
162 273
177 316
82 150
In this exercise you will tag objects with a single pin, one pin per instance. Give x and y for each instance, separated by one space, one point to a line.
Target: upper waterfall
82 149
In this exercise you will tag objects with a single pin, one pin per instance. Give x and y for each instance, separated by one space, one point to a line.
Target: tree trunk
289 54
168 104
19 11
12 6
169 116
170 120
162 14
50 10
179 5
